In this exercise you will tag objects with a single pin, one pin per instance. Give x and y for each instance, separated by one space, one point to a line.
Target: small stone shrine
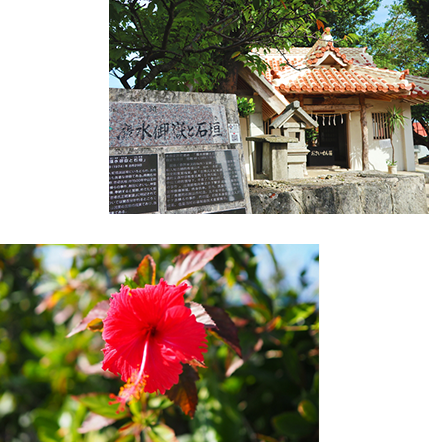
293 122
283 154
175 152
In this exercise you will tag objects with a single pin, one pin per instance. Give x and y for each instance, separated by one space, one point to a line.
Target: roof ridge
322 49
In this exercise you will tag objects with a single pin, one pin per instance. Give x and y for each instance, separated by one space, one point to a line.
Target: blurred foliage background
272 394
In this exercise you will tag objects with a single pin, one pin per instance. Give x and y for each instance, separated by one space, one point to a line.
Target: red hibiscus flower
149 332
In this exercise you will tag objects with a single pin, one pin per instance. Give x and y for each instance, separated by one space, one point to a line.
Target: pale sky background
292 259
382 11
380 17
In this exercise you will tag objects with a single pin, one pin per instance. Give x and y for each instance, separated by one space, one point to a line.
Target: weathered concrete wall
349 192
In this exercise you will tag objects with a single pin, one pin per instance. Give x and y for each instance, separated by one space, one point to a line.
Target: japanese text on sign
179 130
144 124
133 183
321 153
202 178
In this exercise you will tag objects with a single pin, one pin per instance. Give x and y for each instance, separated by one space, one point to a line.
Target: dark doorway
331 146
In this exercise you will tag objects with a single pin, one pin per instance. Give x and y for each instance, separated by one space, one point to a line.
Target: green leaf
353 37
245 106
298 313
98 403
293 367
145 273
46 424
158 402
292 424
160 433
38 345
130 283
308 411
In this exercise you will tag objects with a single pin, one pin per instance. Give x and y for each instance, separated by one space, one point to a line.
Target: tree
350 17
199 45
344 19
420 10
394 45
395 120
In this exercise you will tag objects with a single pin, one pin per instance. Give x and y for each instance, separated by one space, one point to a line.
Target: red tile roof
321 51
325 68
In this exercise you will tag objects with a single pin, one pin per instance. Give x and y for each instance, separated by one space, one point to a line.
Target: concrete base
348 192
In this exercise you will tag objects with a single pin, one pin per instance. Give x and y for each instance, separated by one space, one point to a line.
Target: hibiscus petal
173 295
180 331
162 368
152 318
124 335
151 302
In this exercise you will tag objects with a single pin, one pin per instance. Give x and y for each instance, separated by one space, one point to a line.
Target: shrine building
345 93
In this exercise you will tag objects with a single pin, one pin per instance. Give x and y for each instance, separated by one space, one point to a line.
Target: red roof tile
348 70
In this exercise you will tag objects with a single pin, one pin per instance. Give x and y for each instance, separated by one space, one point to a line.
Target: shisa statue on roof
326 36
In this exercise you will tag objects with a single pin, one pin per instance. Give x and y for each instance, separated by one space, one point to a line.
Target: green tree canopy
396 45
345 19
200 45
420 10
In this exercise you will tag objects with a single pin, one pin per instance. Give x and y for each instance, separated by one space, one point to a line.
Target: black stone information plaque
133 183
202 178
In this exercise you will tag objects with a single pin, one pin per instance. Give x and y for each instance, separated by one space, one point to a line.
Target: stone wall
349 192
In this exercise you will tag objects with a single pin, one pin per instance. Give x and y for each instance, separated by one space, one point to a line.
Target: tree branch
138 66
157 70
137 22
226 29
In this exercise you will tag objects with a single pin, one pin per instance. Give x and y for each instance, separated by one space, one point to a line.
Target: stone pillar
279 161
274 155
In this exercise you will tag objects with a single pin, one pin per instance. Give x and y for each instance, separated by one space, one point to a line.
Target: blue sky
382 11
292 258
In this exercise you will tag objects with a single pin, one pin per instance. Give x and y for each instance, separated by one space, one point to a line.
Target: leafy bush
246 106
262 387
